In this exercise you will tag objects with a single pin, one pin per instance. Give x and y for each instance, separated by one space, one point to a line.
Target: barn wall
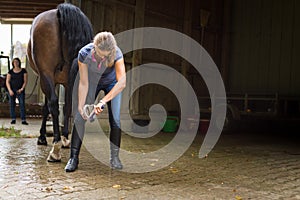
180 15
211 37
265 47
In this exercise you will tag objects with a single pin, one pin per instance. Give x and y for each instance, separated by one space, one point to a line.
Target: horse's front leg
45 112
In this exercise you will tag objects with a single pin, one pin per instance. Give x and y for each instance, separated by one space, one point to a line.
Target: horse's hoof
42 141
52 160
54 155
65 142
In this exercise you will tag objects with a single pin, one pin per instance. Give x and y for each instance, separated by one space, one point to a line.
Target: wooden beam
7 11
25 9
37 2
17 15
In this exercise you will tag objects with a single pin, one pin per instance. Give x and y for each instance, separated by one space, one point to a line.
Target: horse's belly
61 77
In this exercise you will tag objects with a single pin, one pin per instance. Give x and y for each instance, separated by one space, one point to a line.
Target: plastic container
171 124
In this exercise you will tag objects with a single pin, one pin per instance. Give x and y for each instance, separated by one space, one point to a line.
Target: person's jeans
12 102
113 107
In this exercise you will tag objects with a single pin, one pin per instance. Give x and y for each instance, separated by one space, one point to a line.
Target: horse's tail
76 29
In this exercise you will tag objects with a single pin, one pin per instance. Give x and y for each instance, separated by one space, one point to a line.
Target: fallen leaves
238 197
116 186
48 189
173 170
67 188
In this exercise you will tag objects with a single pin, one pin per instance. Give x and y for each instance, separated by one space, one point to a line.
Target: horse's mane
75 27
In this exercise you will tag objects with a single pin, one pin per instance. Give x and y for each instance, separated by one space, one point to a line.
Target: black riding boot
115 141
76 142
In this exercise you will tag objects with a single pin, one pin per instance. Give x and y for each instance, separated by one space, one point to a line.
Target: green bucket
170 125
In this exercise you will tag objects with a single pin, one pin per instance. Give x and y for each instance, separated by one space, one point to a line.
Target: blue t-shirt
107 74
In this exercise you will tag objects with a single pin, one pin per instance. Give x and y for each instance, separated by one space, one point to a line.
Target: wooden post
137 55
186 47
114 19
187 30
225 52
74 2
102 11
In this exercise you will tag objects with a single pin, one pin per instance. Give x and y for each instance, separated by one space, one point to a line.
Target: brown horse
56 37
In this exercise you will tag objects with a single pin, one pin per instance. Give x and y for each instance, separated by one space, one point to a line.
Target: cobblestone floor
241 166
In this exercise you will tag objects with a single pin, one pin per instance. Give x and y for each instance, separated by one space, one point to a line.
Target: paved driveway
241 166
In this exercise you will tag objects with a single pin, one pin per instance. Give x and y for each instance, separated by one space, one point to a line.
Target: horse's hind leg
48 88
68 102
67 113
42 138
45 111
55 155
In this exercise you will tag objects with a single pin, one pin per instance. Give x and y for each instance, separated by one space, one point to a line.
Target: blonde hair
105 41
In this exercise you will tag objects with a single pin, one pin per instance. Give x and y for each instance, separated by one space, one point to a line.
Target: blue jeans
113 107
12 103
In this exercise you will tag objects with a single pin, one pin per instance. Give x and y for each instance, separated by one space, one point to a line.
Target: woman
16 82
101 67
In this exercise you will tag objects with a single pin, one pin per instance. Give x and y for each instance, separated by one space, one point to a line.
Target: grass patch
10 132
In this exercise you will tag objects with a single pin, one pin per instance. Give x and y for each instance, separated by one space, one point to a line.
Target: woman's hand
99 107
11 93
83 115
19 91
